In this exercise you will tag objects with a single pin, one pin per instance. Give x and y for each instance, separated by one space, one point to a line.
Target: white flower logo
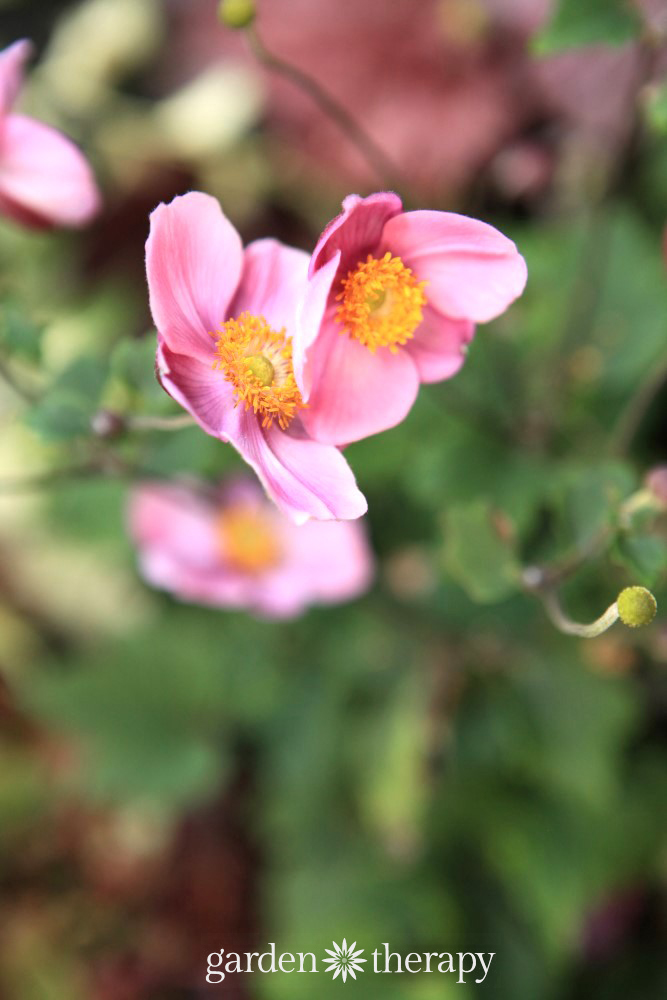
344 960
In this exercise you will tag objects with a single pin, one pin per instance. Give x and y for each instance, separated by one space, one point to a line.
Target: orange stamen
257 360
381 303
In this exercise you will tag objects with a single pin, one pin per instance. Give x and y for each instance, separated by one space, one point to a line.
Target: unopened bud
656 482
107 424
237 14
636 606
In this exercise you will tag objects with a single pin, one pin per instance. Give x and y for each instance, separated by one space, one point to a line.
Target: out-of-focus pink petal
332 559
173 517
273 280
44 174
19 213
473 271
310 314
325 562
438 346
175 528
357 231
201 389
12 62
355 392
303 477
194 258
216 587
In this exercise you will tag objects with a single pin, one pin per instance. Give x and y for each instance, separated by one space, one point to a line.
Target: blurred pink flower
401 293
225 317
232 548
440 85
656 482
44 178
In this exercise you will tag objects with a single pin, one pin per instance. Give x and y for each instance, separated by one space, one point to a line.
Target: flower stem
377 159
566 625
148 423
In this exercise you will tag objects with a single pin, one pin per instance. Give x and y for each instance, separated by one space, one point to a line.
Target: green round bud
237 13
636 606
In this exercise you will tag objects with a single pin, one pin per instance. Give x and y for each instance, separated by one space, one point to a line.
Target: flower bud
236 14
656 482
636 606
107 424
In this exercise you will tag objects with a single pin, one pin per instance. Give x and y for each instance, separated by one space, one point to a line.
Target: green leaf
60 418
592 497
587 22
474 554
645 556
19 334
68 405
133 361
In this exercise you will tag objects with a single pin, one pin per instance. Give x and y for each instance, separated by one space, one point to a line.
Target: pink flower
44 178
231 548
225 317
401 293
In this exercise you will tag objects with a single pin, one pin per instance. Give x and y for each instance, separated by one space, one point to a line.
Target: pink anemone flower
230 547
45 180
225 319
401 294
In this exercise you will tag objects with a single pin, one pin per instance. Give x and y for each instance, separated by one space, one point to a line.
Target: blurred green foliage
587 22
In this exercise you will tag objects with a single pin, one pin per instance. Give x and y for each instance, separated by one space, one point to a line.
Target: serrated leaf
475 555
587 22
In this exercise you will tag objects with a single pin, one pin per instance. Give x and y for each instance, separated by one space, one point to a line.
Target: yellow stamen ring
381 303
257 360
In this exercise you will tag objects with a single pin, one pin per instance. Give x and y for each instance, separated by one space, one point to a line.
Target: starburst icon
344 960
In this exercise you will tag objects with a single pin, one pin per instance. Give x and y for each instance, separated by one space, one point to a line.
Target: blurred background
434 765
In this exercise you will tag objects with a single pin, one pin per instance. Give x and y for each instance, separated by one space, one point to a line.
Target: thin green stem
148 423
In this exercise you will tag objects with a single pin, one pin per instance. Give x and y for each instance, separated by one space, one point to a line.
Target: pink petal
332 559
473 271
213 588
356 392
194 258
44 175
174 519
438 346
273 279
304 478
12 62
357 231
201 389
325 562
310 314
